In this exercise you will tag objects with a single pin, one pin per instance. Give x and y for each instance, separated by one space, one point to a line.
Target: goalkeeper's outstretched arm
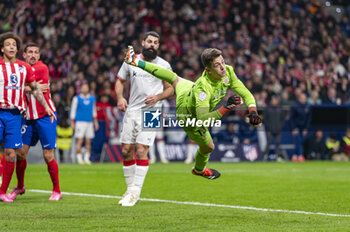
157 71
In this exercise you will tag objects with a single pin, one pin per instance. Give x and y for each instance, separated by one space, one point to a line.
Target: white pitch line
200 204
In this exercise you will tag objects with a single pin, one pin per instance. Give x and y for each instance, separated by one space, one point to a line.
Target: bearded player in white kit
146 92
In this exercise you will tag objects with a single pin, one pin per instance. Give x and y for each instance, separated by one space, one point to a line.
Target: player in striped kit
37 126
14 75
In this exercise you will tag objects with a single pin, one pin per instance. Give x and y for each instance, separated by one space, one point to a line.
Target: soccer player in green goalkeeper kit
197 100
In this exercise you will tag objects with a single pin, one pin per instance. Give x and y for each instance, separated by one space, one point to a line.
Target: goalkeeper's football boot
16 191
207 173
130 57
56 196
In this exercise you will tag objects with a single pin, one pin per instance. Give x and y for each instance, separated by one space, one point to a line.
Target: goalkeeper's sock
157 71
129 168
201 161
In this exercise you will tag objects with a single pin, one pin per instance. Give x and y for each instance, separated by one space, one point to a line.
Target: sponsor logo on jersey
13 87
13 79
21 69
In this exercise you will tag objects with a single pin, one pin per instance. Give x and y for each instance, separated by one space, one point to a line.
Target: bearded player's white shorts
132 132
84 130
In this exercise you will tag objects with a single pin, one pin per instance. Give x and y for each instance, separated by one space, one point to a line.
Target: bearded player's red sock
52 167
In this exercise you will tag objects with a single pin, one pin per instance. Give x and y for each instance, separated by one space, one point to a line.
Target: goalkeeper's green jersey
201 98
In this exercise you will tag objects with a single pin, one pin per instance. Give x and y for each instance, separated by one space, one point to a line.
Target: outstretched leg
157 71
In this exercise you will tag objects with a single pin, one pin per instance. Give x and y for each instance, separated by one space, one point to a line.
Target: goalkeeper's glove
232 102
253 117
130 57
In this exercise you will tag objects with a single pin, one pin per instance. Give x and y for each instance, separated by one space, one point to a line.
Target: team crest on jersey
202 96
226 80
21 69
13 79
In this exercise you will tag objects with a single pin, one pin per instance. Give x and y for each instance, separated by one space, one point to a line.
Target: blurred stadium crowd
277 47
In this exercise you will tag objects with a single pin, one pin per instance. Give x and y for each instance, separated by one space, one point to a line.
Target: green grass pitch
315 187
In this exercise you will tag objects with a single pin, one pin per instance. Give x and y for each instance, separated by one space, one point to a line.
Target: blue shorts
10 128
40 129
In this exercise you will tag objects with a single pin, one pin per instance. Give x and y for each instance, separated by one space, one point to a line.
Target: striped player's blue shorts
10 128
40 129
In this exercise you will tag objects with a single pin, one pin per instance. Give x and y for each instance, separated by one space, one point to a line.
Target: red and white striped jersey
35 110
13 78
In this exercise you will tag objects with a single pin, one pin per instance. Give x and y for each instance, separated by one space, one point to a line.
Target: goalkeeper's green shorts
200 135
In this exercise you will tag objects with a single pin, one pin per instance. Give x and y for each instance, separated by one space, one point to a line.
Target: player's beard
149 53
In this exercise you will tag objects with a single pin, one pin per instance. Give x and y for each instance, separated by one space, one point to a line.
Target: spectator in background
247 133
106 120
286 99
64 138
69 97
274 120
313 99
331 98
80 81
300 121
345 143
316 147
84 122
61 109
334 151
229 135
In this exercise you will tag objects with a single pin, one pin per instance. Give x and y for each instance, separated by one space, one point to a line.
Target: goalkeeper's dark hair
208 55
10 35
152 33
31 44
